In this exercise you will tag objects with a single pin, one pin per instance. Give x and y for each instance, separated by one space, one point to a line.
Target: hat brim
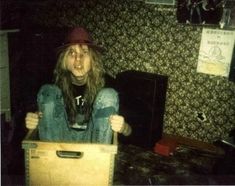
92 45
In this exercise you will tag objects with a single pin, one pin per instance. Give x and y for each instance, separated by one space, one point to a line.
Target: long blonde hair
95 81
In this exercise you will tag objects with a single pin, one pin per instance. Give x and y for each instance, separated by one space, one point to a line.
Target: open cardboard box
62 163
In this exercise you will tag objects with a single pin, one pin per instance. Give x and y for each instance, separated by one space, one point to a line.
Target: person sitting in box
78 107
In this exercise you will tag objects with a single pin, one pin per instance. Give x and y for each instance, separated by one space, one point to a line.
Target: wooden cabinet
142 103
5 100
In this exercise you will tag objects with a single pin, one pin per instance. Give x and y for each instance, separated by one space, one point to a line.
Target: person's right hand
31 119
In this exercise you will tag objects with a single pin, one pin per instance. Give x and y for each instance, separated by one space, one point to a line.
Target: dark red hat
79 35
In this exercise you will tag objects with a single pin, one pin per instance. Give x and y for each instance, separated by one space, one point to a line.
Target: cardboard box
50 163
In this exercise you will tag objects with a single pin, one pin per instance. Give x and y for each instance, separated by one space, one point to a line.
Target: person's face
78 61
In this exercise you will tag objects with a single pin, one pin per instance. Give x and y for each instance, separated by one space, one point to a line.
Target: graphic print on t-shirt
80 124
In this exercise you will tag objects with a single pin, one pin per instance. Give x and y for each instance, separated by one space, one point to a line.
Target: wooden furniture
4 72
142 103
192 143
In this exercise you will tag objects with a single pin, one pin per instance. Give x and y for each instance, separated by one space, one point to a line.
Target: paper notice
216 51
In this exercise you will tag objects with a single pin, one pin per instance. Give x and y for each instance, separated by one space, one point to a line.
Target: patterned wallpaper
148 38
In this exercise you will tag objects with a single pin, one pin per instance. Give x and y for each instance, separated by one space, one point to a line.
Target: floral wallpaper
147 37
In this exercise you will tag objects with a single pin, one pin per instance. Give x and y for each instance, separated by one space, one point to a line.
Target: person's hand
32 119
117 123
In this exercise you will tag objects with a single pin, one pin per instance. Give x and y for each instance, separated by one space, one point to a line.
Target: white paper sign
216 51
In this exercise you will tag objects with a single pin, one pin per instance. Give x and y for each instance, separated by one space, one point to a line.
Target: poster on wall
206 12
216 50
200 11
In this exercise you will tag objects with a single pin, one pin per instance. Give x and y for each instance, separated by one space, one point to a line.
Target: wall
147 38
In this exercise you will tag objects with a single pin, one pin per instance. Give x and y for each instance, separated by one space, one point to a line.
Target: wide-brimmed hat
79 35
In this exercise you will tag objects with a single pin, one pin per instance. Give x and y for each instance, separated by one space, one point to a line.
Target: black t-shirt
81 122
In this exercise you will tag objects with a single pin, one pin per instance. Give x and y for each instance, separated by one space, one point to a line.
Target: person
194 6
78 106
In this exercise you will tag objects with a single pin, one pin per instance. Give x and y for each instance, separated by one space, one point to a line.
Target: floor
187 166
137 165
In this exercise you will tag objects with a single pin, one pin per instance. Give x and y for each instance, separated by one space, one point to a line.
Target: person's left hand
117 123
